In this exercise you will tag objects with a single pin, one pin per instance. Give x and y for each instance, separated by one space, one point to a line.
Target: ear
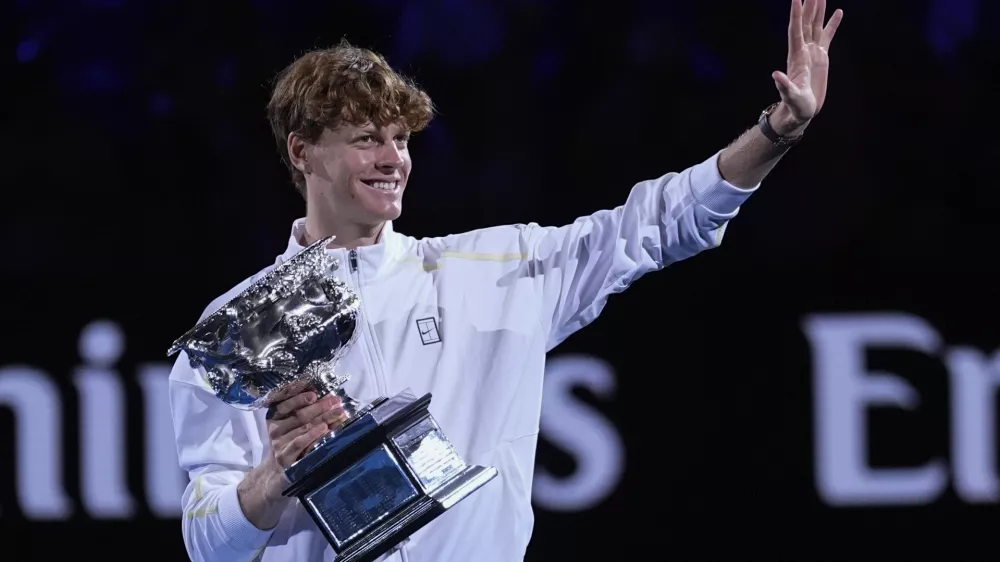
298 152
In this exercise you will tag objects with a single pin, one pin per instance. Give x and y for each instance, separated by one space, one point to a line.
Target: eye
366 138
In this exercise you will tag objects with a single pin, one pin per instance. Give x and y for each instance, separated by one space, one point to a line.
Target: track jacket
468 317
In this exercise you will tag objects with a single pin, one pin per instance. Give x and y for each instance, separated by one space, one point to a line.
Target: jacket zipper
352 259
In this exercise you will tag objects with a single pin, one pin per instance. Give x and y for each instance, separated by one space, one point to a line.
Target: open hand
803 84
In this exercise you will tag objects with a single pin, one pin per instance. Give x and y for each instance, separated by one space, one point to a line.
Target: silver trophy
379 476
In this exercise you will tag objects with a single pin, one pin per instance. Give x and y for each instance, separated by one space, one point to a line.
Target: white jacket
469 318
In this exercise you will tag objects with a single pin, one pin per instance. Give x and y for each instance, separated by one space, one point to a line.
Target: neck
347 235
323 220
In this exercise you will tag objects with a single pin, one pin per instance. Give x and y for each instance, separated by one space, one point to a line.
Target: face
358 174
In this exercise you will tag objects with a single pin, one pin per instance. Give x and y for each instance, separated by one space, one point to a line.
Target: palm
803 85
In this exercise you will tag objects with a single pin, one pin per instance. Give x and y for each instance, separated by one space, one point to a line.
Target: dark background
140 181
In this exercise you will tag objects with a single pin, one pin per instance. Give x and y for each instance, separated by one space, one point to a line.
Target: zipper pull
353 257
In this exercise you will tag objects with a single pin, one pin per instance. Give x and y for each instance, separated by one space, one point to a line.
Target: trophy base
395 530
382 476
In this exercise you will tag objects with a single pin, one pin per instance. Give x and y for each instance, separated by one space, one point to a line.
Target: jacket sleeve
217 445
663 220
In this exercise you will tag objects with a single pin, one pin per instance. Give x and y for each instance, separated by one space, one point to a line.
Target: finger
289 390
287 451
808 12
785 86
306 414
281 443
286 407
294 448
332 418
831 29
817 21
302 416
280 429
795 40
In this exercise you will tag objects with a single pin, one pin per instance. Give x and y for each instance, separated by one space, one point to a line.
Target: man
468 317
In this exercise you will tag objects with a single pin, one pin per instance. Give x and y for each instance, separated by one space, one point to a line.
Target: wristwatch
770 133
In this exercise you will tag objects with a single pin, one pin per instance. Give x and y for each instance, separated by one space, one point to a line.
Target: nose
390 158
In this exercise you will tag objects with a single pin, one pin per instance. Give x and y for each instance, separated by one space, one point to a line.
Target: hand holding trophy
372 474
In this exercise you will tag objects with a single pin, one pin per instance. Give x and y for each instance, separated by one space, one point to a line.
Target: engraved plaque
362 496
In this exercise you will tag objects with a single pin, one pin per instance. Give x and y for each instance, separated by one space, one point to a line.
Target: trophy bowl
284 332
377 477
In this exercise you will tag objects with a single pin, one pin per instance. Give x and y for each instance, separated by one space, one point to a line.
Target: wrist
260 495
263 485
784 122
273 481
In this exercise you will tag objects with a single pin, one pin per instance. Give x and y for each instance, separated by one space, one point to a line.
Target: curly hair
343 84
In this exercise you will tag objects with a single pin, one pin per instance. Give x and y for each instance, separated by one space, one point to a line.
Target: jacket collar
372 260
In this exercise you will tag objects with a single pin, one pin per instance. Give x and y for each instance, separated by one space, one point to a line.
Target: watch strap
765 127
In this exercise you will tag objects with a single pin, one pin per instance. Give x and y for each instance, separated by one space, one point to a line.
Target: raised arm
663 220
678 215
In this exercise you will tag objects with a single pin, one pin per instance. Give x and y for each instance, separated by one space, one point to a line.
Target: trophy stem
349 404
326 383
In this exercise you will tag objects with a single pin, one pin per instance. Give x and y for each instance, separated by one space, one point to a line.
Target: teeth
386 185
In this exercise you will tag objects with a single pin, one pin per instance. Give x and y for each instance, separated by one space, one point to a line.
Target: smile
382 185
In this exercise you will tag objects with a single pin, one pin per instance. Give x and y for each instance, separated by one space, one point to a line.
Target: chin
391 215
383 214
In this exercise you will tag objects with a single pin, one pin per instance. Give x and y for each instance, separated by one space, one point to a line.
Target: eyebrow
371 130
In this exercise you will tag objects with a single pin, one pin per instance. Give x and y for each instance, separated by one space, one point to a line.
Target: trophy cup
382 474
